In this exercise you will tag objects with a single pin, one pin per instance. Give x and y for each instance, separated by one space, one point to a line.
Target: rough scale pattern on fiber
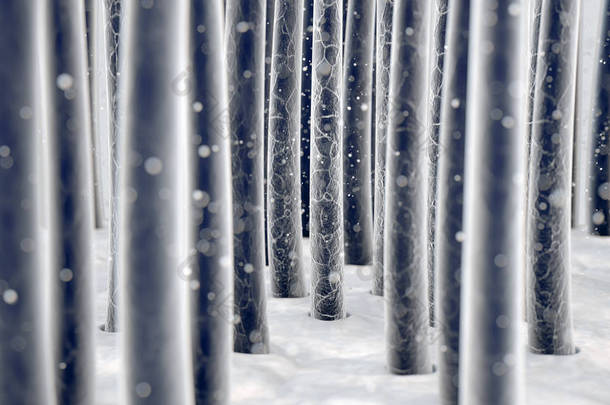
244 35
285 233
437 57
113 18
406 280
326 217
549 303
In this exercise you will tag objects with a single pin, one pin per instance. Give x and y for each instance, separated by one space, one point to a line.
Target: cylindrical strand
491 351
406 280
269 23
372 132
382 87
599 169
113 17
98 200
437 57
71 205
24 376
152 312
244 35
211 282
449 225
284 161
326 209
100 111
356 104
579 134
533 18
550 182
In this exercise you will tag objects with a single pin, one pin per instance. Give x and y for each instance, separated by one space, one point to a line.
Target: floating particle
153 165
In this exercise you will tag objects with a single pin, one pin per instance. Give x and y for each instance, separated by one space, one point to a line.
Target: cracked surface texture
437 57
112 18
244 35
357 99
326 218
549 301
284 188
405 283
534 16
